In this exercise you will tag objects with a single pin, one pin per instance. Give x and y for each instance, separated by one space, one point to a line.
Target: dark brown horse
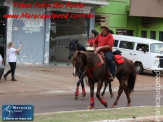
90 64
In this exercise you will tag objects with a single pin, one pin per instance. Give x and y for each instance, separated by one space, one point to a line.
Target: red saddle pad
118 59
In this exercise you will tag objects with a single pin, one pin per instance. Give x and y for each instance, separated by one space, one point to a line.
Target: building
45 41
142 18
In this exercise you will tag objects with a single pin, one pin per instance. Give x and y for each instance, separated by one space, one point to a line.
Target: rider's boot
110 76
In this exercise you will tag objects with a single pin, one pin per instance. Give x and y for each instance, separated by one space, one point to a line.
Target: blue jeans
109 61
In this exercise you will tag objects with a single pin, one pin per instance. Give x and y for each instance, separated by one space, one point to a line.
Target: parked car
1 66
147 54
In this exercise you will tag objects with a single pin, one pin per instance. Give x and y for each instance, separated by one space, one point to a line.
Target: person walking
104 43
12 52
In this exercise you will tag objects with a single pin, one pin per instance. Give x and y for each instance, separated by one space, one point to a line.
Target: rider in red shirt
104 43
93 35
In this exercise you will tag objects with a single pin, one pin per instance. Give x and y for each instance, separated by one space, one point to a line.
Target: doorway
3 10
62 31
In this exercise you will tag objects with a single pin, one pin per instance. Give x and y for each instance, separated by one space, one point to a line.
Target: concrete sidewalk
57 79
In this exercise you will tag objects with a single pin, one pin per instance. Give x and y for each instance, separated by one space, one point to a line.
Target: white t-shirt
12 55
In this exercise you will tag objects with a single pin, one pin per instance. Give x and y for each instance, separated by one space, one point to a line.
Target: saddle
117 60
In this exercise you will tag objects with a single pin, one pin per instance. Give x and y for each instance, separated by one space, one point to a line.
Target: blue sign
17 112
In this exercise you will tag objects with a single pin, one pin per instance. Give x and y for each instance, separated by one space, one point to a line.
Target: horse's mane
81 47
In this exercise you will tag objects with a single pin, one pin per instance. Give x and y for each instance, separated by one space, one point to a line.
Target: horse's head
80 62
73 46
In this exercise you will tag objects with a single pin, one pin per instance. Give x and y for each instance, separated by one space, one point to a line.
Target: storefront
64 30
45 41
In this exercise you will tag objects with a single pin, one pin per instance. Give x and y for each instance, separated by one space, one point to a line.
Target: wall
134 23
146 8
117 14
34 35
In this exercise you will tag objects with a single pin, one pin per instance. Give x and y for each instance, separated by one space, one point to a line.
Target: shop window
130 32
153 34
127 45
161 35
144 34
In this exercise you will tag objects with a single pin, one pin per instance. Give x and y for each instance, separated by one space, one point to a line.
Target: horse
90 64
74 46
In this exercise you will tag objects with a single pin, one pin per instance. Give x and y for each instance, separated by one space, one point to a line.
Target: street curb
139 119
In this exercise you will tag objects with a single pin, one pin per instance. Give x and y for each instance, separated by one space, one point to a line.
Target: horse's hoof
83 94
76 97
112 95
105 104
128 105
114 106
90 107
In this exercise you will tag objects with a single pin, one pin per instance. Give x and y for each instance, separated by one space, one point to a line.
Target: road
65 102
51 89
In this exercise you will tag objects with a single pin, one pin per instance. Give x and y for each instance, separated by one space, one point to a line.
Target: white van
147 54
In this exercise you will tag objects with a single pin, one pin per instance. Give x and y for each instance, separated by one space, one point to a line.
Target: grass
95 115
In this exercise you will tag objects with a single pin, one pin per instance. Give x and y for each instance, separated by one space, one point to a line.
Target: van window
142 47
115 44
127 45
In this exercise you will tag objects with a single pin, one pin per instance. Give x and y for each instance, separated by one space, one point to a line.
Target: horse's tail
131 79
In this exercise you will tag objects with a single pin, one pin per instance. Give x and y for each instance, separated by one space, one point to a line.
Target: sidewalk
57 79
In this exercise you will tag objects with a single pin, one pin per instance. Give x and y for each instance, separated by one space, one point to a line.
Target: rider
104 43
93 35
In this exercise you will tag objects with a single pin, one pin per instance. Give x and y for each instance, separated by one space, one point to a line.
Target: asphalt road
65 102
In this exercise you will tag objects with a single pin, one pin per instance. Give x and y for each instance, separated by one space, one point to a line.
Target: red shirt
101 40
90 41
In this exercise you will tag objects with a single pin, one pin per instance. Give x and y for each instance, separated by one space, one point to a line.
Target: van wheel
139 68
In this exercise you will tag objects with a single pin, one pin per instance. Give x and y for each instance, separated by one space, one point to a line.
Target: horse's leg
119 94
91 84
77 90
103 93
99 86
127 95
78 84
83 89
110 89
